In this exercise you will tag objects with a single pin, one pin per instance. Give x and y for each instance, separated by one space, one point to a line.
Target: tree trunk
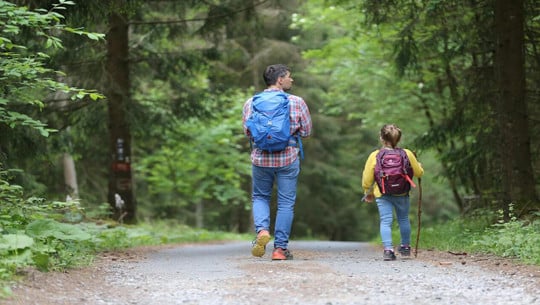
517 175
70 176
199 214
70 172
120 194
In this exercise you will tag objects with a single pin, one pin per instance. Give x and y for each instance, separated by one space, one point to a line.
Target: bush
516 238
485 232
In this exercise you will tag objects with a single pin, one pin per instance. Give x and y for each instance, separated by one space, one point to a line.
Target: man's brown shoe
259 244
280 254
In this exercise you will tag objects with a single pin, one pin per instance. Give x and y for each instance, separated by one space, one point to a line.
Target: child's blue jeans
387 204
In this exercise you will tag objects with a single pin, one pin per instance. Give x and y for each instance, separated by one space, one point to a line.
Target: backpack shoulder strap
405 157
380 153
296 136
378 160
406 166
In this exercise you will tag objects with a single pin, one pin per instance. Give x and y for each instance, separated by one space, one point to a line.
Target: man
282 167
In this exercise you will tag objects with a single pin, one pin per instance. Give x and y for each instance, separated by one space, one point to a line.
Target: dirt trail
322 272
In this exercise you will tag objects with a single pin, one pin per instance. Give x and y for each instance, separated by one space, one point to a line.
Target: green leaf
41 260
43 132
95 36
19 258
15 241
96 96
47 228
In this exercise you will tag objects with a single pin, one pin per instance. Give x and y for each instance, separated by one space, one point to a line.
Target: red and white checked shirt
300 125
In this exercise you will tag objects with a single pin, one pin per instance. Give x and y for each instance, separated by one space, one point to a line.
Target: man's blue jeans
286 178
386 205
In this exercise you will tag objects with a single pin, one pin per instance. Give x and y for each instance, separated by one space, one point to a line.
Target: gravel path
327 273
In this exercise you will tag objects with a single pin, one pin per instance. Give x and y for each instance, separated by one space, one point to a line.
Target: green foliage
29 232
171 232
12 242
356 58
515 238
360 91
426 66
454 235
483 233
200 159
25 78
45 229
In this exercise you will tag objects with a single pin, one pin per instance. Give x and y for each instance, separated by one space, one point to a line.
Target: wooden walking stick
419 216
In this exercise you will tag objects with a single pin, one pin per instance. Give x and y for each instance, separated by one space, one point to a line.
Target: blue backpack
269 122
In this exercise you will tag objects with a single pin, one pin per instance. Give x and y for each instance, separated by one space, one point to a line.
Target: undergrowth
54 236
486 232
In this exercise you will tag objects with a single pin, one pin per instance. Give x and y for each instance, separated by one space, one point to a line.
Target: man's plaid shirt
300 125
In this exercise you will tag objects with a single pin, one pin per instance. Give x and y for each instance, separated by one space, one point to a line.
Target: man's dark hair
273 72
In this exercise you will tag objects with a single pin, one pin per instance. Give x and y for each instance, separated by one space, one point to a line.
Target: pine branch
198 19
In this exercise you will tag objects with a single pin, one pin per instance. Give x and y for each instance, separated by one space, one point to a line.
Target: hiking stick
419 216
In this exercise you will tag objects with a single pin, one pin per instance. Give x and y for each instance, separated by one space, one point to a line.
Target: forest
131 110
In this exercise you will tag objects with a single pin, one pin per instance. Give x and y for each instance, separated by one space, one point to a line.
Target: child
390 135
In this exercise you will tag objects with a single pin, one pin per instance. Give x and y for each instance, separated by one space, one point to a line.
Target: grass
484 233
160 233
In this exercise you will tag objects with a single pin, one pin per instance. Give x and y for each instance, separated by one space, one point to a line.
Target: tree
27 40
517 180
25 72
200 164
121 195
443 53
